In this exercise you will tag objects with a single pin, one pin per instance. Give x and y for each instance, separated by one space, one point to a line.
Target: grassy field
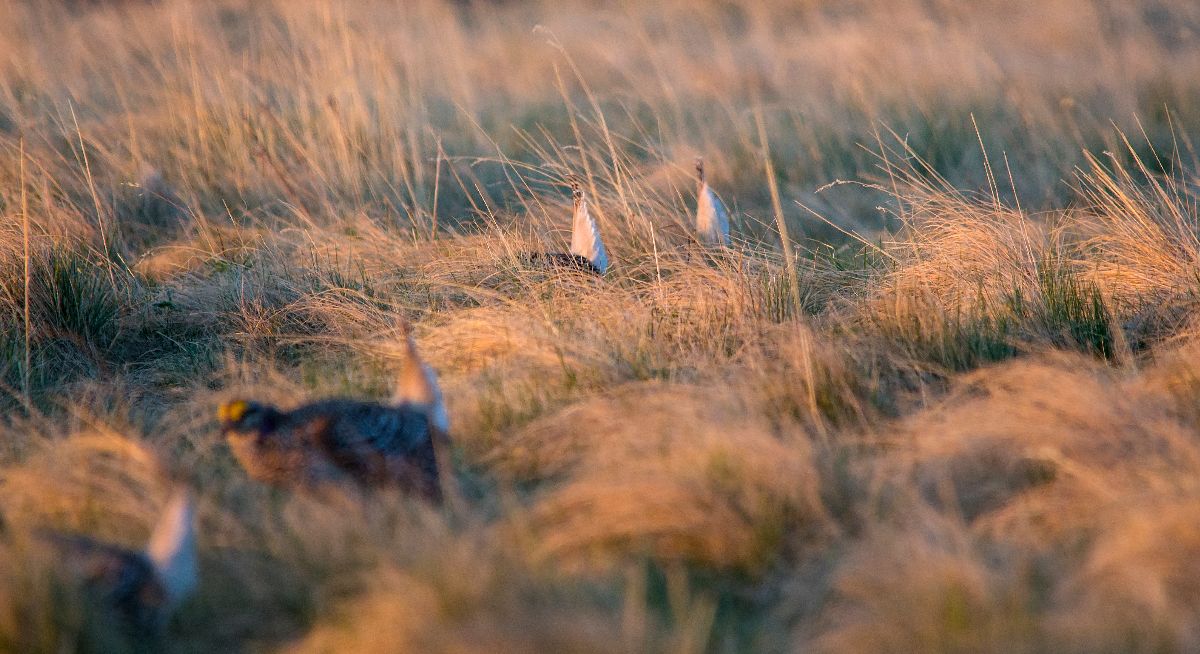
943 394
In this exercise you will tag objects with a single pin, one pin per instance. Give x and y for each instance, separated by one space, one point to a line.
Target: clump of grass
953 597
72 298
798 377
1072 311
74 310
663 490
951 339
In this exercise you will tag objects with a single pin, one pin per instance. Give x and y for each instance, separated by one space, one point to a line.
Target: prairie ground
941 395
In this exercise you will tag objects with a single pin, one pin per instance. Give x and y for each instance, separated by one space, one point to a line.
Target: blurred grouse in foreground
143 586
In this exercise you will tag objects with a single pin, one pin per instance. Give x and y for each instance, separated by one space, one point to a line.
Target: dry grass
965 421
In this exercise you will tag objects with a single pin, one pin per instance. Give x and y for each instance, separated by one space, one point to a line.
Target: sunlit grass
962 418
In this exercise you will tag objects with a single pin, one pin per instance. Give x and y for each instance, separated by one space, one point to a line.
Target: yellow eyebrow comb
232 411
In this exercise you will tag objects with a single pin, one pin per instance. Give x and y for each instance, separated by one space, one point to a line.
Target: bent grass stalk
789 258
25 372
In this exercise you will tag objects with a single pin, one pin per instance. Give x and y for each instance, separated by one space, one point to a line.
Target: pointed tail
585 234
712 218
418 384
172 547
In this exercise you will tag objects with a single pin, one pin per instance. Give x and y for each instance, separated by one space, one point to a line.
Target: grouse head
244 417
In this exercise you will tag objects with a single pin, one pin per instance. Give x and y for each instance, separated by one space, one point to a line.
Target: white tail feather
172 547
585 236
437 407
712 220
418 384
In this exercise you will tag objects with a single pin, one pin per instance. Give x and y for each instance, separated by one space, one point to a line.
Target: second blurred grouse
370 443
334 440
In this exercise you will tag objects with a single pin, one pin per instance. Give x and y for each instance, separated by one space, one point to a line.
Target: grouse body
142 586
369 443
587 253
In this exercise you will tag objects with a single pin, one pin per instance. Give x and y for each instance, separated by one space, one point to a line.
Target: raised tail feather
172 547
585 233
418 385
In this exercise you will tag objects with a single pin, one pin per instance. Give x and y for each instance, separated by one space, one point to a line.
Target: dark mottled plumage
124 579
561 260
370 443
